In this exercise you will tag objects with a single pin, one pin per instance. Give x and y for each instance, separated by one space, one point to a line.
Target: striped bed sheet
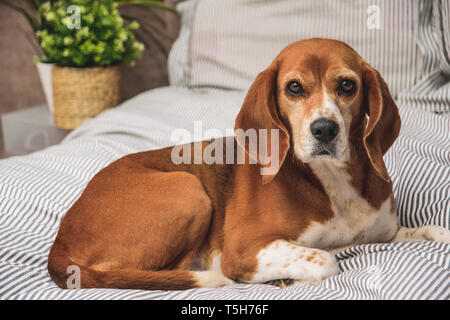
37 190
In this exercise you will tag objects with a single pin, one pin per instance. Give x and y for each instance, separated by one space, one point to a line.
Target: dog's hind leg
176 279
137 228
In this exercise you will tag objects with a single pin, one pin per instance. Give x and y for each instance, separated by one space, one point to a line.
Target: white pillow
178 64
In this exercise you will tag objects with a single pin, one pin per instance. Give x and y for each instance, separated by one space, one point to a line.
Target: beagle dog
144 222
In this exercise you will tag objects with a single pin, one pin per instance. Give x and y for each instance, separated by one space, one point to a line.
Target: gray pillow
224 44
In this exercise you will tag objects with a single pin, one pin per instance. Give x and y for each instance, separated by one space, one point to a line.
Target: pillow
178 60
224 44
432 91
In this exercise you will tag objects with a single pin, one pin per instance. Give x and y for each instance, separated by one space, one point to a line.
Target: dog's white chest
355 220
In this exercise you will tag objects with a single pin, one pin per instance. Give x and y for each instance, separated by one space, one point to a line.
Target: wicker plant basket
79 94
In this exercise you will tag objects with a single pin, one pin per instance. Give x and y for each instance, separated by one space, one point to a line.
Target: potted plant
83 42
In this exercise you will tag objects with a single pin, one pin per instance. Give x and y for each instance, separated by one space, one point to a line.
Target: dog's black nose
324 130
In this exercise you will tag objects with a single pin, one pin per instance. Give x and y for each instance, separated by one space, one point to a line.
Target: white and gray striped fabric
37 190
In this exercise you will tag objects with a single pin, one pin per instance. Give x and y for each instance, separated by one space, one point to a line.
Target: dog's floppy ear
259 111
384 122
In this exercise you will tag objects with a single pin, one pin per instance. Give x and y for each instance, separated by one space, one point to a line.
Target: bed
208 85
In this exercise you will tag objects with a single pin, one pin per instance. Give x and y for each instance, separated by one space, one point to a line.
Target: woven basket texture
80 94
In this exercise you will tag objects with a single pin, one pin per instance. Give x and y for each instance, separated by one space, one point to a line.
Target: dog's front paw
325 267
438 234
318 265
430 233
284 260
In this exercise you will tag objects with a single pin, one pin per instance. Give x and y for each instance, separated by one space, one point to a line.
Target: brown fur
142 221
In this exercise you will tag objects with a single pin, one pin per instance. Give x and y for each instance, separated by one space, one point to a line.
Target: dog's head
322 97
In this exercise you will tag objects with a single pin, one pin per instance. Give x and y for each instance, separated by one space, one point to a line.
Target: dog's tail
67 274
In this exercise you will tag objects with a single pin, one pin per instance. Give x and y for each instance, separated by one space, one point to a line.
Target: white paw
438 234
312 265
211 279
284 260
319 265
313 268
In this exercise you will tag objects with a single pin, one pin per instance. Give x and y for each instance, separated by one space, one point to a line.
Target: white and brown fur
146 223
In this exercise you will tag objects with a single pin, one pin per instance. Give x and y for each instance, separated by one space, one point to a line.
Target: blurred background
20 86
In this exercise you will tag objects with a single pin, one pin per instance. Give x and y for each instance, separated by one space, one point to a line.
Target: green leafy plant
102 37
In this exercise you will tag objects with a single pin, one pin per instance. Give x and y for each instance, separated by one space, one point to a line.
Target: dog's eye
347 87
295 89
